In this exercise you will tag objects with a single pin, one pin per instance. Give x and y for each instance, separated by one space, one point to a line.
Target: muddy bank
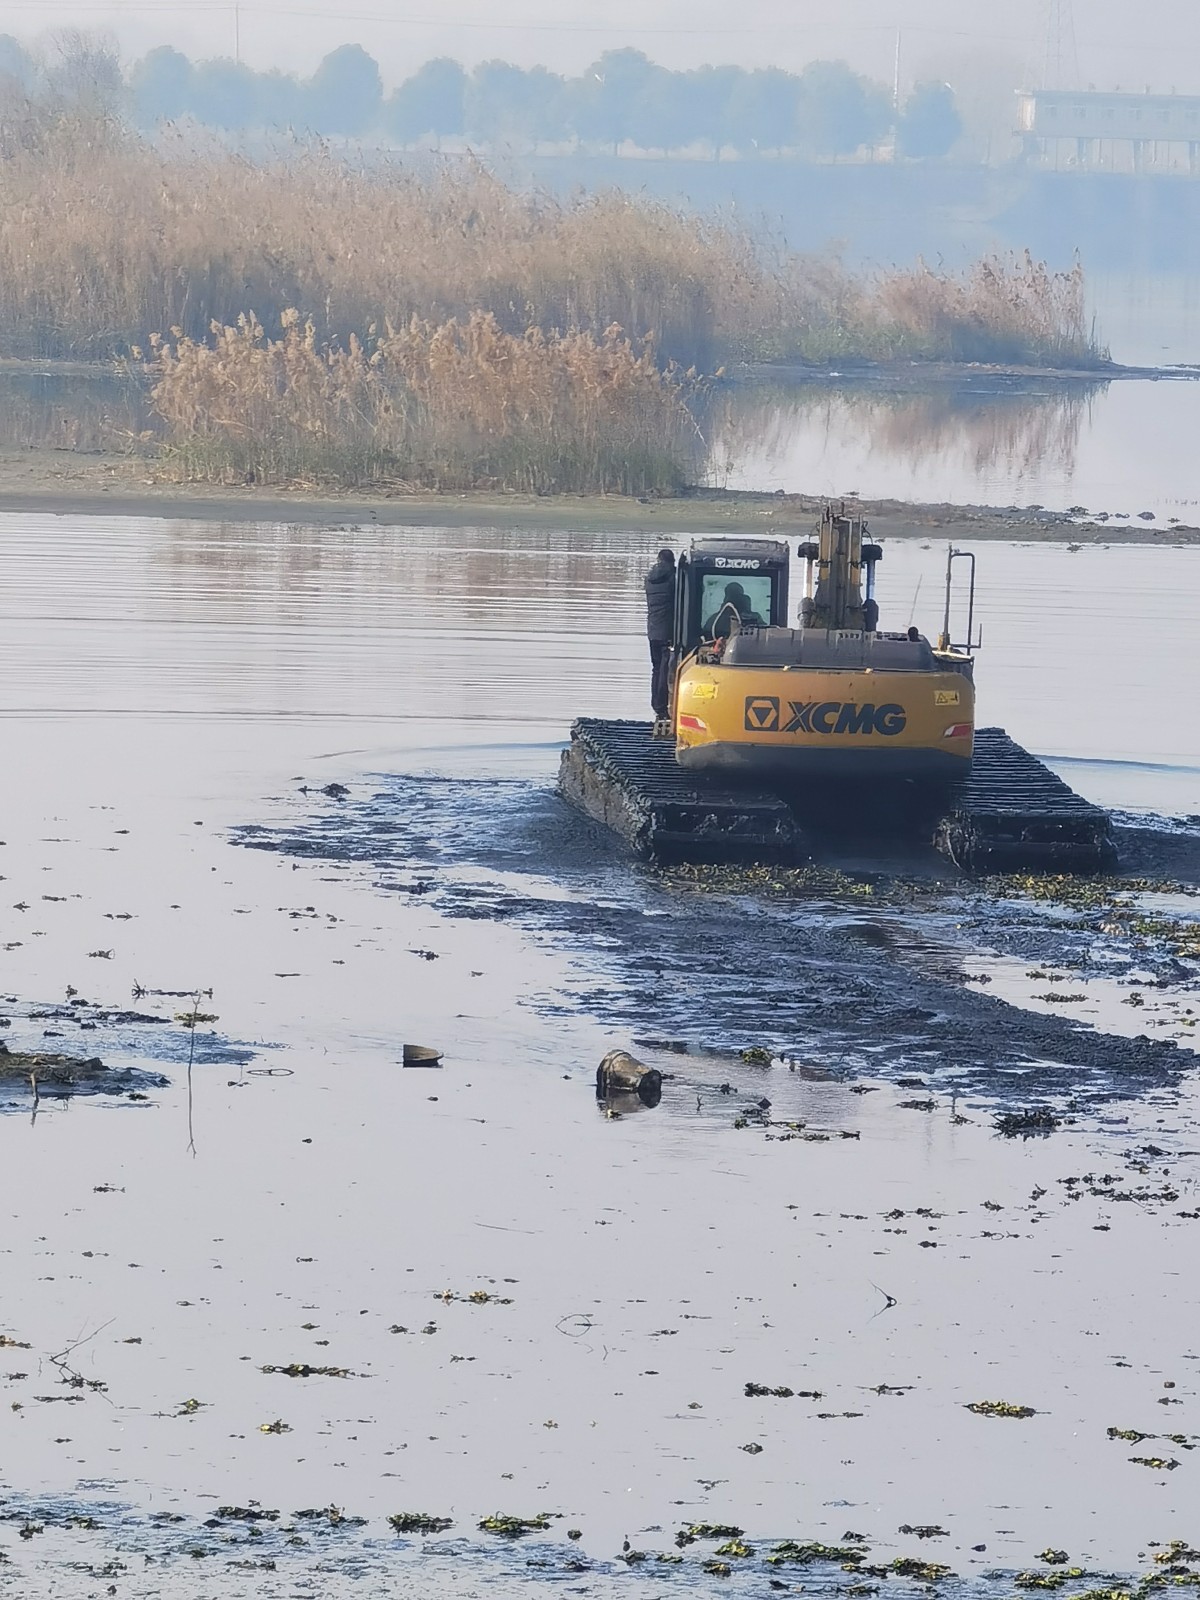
66 483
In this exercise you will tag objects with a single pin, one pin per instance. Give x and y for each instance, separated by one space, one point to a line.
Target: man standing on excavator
660 621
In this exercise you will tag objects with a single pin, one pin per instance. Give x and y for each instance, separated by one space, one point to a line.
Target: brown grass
461 405
106 238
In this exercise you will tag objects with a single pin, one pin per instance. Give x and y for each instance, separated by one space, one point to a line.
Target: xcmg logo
763 715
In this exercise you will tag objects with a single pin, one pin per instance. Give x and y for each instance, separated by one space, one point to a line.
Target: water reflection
72 409
955 432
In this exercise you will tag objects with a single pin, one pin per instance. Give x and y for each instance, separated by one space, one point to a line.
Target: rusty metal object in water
621 1073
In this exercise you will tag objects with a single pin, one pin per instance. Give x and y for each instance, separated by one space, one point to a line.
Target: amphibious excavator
779 732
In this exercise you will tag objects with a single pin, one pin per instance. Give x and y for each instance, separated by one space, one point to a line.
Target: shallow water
165 682
1121 448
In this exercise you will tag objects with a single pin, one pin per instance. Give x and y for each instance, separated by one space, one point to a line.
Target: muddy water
304 1198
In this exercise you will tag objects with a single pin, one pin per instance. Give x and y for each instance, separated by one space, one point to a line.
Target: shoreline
70 483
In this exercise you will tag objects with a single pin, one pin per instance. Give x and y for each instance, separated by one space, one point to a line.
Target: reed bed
106 238
454 406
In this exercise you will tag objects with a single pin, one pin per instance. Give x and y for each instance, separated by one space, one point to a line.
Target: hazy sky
1155 43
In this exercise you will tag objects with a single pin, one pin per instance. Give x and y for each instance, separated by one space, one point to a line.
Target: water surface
161 682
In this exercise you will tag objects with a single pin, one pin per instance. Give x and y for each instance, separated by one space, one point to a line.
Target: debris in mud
751 1449
48 1073
1159 1463
477 1297
756 1055
1025 1124
923 1530
251 1513
421 1522
1000 1408
756 1390
515 1527
1049 1580
621 1073
1054 1558
278 1426
421 1055
301 1369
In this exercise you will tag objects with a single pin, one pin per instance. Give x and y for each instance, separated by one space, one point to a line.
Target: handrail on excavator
944 642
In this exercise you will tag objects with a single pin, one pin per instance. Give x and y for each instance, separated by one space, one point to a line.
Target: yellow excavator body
800 722
834 696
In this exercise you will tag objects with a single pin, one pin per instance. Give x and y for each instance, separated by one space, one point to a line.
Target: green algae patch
1000 1408
793 1552
419 1522
515 1527
1056 1579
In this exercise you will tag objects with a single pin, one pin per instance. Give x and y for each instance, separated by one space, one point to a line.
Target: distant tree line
823 112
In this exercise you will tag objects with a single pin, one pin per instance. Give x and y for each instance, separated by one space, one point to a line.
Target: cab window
721 595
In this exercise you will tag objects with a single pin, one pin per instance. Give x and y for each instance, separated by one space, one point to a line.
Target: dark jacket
660 602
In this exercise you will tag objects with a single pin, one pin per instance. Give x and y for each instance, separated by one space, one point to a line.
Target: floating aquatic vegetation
421 1522
759 1390
278 1426
736 1548
515 1527
719 1569
333 1515
1158 1463
923 1530
756 1055
1000 1408
1054 1557
707 1530
790 1552
1049 1580
1177 1553
914 1567
250 1513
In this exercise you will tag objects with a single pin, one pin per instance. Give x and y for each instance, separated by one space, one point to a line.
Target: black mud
843 982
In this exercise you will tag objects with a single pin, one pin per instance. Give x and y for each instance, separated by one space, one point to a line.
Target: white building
1113 132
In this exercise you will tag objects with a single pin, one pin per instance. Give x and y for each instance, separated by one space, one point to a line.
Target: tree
930 125
84 76
345 94
225 95
17 68
762 110
279 99
504 103
431 101
840 112
161 84
603 99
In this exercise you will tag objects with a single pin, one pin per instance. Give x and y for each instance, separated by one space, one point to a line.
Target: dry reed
461 405
106 238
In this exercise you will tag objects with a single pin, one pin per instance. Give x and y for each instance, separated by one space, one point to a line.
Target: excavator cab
724 586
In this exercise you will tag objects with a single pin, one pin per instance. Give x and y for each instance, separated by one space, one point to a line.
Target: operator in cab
734 606
660 622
